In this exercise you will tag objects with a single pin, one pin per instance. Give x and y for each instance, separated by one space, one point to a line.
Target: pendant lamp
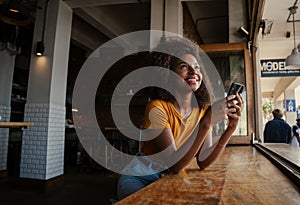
15 13
294 58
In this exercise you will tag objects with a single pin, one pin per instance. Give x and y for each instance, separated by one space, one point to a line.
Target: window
233 63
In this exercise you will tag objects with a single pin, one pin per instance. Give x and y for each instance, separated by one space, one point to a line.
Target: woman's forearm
193 145
218 148
233 114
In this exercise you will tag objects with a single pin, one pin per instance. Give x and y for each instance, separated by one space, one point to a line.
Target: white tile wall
4 136
42 154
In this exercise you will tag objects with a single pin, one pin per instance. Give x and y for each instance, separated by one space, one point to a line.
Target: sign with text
276 68
290 105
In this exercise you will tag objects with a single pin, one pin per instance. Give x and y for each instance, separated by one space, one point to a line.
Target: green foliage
267 107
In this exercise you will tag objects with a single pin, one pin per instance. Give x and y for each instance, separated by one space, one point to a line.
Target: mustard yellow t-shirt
160 114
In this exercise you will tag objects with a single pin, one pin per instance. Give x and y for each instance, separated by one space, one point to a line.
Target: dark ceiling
211 20
210 17
18 12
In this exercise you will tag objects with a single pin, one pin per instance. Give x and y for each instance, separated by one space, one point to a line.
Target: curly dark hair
166 55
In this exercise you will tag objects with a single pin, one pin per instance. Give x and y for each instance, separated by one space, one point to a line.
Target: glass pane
231 67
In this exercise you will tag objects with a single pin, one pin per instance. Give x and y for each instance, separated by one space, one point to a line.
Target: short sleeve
155 116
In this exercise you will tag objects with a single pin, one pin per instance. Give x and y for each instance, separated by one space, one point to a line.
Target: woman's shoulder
158 103
163 105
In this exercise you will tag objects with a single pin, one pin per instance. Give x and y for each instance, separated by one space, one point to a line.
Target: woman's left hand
234 110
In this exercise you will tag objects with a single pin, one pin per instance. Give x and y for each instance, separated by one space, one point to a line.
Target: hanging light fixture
294 58
40 48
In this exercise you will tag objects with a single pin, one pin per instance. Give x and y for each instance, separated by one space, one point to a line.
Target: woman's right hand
234 111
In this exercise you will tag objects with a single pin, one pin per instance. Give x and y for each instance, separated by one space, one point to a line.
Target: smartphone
235 88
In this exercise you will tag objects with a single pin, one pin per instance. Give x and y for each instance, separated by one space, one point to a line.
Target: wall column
43 144
290 106
166 15
174 17
6 78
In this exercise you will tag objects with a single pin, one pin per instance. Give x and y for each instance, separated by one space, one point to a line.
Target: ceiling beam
285 83
267 94
89 3
92 20
100 19
294 84
86 35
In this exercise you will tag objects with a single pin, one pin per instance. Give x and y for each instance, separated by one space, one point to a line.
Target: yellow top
160 114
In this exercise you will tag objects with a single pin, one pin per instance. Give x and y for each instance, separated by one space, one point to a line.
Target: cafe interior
46 47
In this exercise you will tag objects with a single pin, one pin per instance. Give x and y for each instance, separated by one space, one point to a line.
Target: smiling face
188 69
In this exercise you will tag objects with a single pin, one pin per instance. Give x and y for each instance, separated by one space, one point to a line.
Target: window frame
249 72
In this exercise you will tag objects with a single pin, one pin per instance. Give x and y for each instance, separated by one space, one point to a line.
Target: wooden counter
16 124
286 151
242 175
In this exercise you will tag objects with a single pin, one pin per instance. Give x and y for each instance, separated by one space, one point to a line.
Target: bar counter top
286 151
241 175
16 124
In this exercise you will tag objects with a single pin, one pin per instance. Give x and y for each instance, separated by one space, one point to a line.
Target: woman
178 125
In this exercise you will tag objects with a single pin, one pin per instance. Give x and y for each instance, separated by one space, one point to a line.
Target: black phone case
235 88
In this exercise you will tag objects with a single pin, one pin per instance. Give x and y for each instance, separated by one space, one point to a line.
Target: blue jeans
129 184
137 174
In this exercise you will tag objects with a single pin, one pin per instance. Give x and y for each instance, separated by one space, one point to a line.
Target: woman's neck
183 105
184 101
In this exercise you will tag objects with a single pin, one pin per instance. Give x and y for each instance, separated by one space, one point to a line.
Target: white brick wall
4 136
43 144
